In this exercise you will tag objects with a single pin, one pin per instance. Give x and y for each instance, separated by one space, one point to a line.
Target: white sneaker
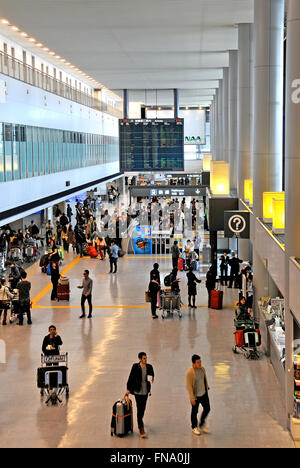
196 431
205 430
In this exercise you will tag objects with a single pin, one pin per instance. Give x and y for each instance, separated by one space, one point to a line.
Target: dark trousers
54 290
113 263
24 308
204 402
153 305
175 262
89 299
224 273
141 402
209 294
233 276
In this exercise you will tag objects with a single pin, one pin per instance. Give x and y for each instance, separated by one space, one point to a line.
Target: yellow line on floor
141 257
47 288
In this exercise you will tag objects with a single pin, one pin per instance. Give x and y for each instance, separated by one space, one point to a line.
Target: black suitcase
52 377
122 418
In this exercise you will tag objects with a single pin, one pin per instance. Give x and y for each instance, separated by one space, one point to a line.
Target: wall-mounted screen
152 145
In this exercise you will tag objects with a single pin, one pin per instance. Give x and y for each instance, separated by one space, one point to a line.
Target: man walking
114 255
234 263
175 254
139 385
224 268
87 287
197 387
24 287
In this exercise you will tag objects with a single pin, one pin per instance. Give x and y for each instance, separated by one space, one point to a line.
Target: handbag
147 296
63 280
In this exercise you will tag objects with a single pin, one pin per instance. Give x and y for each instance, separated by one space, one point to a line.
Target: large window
27 151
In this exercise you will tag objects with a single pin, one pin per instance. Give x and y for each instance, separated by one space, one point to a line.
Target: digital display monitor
152 145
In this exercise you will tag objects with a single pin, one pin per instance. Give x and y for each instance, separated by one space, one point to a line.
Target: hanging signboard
237 224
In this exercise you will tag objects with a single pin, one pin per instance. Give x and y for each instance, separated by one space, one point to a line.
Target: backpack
167 280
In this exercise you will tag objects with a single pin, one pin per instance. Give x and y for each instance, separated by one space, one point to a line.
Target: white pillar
225 114
245 43
268 99
232 111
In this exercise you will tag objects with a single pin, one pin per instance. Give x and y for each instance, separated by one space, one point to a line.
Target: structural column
176 103
220 123
125 104
212 129
245 43
292 171
225 113
217 143
232 116
268 99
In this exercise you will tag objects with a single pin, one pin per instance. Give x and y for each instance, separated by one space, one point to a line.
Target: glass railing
16 69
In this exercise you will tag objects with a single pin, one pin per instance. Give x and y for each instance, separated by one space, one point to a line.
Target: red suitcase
92 252
216 300
239 338
180 264
63 292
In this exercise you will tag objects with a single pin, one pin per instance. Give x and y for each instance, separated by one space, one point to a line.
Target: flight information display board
152 145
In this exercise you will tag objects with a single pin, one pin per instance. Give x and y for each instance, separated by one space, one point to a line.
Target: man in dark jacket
139 385
175 254
234 263
224 268
211 278
52 342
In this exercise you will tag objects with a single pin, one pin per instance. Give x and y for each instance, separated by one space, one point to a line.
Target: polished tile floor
247 406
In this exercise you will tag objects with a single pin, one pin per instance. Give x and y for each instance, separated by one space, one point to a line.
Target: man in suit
234 263
224 268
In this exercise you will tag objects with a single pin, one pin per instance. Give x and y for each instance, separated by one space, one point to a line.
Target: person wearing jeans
139 385
197 387
87 287
114 255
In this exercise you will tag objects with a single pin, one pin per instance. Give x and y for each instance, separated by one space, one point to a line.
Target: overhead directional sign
168 191
237 224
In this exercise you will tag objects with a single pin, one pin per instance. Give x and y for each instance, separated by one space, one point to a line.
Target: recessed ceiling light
39 44
57 56
46 49
51 53
14 28
4 21
31 39
24 34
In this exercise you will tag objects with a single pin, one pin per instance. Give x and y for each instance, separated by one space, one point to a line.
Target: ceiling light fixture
4 21
24 34
31 39
14 28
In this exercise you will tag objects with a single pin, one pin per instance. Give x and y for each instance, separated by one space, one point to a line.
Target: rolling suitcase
122 418
63 292
52 377
216 300
180 264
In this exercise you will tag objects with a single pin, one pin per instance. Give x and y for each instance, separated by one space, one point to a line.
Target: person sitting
243 314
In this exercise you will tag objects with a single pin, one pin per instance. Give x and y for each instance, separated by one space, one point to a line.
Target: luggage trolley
14 306
170 303
247 338
52 378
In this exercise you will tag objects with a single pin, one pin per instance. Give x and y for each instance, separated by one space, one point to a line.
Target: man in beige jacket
197 387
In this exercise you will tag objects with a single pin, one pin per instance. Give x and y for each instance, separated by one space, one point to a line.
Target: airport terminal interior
149 224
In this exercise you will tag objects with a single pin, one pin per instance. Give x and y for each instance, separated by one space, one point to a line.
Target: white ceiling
139 44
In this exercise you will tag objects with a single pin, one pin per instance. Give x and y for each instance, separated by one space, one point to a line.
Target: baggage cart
247 339
52 378
170 303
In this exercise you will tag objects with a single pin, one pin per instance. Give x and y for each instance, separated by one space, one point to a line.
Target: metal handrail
18 70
